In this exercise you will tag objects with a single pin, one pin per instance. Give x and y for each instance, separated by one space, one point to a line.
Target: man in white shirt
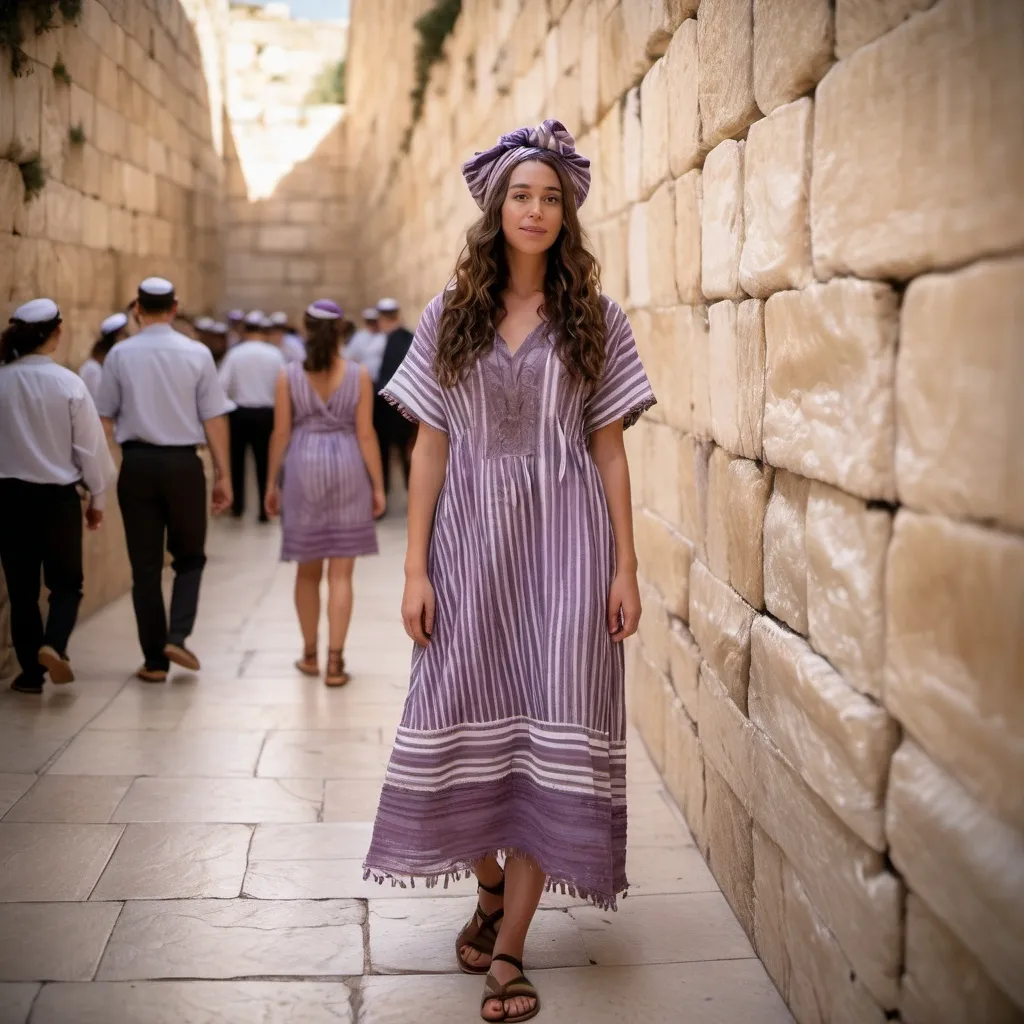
161 394
249 376
285 337
367 345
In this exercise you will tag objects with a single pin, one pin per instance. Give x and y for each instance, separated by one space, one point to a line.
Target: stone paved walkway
190 852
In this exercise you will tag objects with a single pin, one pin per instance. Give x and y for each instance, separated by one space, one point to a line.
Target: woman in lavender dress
521 571
333 484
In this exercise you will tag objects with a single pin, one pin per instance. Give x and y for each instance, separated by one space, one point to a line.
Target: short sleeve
211 401
108 394
623 392
414 389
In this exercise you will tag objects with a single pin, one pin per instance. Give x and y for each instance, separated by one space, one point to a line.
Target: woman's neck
525 272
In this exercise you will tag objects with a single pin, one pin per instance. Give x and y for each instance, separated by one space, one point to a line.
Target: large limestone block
693 473
955 652
776 189
792 49
830 366
682 74
785 554
716 505
27 93
612 240
726 734
661 243
639 257
665 348
684 666
665 558
665 19
722 221
750 485
837 739
904 133
721 622
662 465
965 863
632 147
623 53
12 192
846 542
862 21
689 195
654 128
590 63
725 43
653 630
698 346
610 148
729 846
736 375
857 897
959 377
943 983
649 700
684 768
750 365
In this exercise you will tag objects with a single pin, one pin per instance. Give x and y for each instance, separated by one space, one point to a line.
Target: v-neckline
325 402
529 337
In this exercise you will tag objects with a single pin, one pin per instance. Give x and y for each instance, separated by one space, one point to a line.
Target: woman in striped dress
521 571
333 483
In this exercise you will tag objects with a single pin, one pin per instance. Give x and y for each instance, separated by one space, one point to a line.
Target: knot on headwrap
485 169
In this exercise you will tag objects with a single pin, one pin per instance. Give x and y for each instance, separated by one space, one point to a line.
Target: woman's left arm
608 451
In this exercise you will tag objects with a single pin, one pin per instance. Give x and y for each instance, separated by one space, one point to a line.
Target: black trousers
394 431
162 493
41 529
250 428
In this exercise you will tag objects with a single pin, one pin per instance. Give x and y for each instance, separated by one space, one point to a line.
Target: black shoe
263 519
25 685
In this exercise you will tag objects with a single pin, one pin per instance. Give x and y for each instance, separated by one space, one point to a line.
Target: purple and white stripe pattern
326 492
512 740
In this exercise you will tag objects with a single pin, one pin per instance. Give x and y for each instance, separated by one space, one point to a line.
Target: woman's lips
534 231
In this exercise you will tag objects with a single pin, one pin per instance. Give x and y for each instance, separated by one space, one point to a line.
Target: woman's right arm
369 446
426 478
278 440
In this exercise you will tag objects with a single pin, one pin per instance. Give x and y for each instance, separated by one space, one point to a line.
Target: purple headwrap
324 309
485 169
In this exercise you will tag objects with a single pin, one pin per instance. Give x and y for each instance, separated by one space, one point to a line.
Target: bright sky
316 9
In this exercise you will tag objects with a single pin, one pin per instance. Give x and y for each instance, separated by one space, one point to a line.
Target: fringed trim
400 406
464 869
637 411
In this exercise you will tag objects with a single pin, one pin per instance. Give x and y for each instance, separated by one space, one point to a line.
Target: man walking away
161 393
394 431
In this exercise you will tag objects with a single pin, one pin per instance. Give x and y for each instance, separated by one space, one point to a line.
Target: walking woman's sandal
480 932
336 674
516 988
307 664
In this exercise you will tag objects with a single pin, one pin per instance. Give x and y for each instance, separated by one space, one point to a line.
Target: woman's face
531 216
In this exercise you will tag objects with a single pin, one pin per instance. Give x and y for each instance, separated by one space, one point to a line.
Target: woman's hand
272 500
623 606
418 608
380 502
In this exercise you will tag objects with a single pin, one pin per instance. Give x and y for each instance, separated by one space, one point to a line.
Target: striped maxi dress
513 736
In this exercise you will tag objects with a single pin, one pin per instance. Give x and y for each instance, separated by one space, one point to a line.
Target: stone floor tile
320 754
222 800
195 1002
44 862
12 787
322 841
63 709
419 935
447 998
234 939
174 861
16 1000
25 750
53 941
130 716
663 929
652 819
351 800
146 752
68 798
656 870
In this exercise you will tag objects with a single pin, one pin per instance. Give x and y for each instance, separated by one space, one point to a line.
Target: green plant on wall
60 71
31 168
76 135
433 27
329 85
39 16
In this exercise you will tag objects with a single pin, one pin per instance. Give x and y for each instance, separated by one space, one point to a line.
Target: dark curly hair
572 290
323 344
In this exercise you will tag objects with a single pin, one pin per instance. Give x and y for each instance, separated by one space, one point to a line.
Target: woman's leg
307 600
339 600
488 872
524 885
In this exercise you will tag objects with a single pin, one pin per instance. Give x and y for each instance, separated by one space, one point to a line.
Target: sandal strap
517 964
489 920
494 890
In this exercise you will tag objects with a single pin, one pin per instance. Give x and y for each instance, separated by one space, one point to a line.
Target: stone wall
811 212
142 194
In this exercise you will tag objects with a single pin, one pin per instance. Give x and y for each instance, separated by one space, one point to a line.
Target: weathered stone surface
639 259
830 365
958 385
722 221
792 49
687 237
846 881
632 147
654 128
729 846
862 21
838 740
725 43
12 191
955 652
682 74
846 544
776 190
684 768
610 147
723 375
931 196
653 630
666 350
684 666
700 385
721 621
716 504
693 472
590 62
651 696
750 356
661 245
726 734
785 555
665 559
662 464
965 863
750 484
943 983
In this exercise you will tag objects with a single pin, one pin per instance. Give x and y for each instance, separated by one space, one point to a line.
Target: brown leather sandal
480 932
336 674
307 664
516 987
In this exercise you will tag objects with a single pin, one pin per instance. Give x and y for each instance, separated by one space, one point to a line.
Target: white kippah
218 328
388 305
267 322
370 313
278 319
236 314
254 318
113 323
156 286
203 323
38 311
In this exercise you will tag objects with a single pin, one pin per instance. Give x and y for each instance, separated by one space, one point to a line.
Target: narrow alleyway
190 852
